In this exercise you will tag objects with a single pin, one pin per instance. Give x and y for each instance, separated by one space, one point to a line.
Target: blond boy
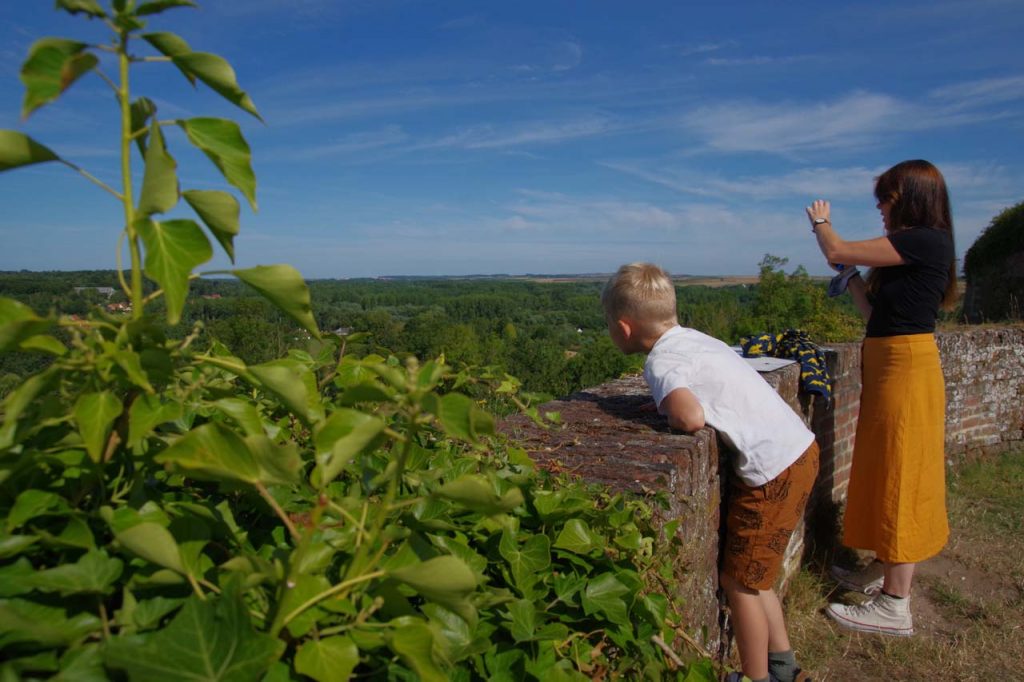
697 380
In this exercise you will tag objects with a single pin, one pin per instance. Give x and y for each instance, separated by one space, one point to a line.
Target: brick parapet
607 438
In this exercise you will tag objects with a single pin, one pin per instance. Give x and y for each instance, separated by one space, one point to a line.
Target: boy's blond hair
642 292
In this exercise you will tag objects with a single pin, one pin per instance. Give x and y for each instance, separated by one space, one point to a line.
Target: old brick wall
984 372
607 437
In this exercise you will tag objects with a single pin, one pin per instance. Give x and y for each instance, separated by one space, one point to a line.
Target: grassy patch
968 604
990 493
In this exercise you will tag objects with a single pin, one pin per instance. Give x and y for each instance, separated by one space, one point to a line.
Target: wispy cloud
791 126
818 181
699 48
980 93
760 60
347 145
489 136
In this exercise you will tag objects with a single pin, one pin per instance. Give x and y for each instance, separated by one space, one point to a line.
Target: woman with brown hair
896 505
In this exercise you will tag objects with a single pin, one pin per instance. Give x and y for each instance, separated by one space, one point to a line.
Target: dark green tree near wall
994 270
169 511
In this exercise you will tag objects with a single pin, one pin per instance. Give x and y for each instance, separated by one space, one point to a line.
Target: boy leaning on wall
697 380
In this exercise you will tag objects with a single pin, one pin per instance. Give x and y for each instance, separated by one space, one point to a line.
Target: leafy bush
994 269
171 512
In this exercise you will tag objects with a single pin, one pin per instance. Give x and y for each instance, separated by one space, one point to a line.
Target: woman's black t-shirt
909 295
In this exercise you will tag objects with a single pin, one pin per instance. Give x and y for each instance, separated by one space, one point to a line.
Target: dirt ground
968 602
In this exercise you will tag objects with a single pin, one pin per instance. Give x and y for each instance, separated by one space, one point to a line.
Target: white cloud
788 127
760 60
352 143
979 93
488 136
700 48
816 181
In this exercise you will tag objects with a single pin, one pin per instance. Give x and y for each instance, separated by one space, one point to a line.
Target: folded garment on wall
794 344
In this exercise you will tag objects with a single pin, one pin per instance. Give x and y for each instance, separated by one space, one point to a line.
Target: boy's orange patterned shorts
760 521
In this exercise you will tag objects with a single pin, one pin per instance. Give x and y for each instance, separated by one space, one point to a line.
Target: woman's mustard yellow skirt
896 504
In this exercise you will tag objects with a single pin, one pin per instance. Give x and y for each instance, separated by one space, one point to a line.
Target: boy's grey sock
782 665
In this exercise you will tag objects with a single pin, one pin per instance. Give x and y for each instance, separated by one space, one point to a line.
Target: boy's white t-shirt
766 434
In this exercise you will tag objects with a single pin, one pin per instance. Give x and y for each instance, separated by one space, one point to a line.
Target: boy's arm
683 410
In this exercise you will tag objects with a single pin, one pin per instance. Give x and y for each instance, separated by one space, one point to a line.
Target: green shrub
171 512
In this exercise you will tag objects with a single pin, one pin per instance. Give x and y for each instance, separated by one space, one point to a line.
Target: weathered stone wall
984 372
608 437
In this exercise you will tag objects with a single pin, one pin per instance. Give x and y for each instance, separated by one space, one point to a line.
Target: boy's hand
648 407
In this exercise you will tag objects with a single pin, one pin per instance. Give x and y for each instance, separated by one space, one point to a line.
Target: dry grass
968 602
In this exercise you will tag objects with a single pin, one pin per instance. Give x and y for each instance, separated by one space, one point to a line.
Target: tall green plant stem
127 195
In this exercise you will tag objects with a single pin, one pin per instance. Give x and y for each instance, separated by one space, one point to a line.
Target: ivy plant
169 512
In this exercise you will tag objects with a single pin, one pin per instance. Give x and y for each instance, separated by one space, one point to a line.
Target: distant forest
550 335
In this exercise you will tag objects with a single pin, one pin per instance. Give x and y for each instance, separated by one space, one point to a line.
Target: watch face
819 221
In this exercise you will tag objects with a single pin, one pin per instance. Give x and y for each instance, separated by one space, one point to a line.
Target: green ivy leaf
283 286
327 660
243 413
577 537
524 620
141 111
43 344
90 7
213 451
53 65
528 562
222 142
94 573
446 580
83 664
26 621
154 543
19 400
18 149
343 435
148 412
298 592
475 492
210 640
219 211
607 595
13 545
32 503
170 45
159 191
414 644
293 384
131 363
94 413
18 323
173 249
148 613
158 6
460 417
279 464
217 73
16 578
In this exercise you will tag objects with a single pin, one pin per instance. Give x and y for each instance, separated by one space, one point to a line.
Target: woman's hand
819 211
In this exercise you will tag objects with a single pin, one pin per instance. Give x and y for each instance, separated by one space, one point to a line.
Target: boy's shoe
867 580
882 614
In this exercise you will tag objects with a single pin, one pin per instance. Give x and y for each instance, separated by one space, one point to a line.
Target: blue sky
407 137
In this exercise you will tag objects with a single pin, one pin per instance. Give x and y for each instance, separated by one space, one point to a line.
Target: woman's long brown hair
917 197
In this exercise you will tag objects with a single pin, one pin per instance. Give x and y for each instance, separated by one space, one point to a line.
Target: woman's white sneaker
883 614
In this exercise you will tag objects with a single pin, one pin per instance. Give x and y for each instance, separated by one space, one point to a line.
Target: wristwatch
819 221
